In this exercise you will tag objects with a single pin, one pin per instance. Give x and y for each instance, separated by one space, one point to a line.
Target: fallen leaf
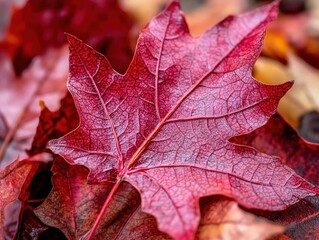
164 125
223 219
37 27
302 97
278 138
306 87
277 46
126 220
54 124
76 202
14 181
5 13
76 211
306 94
44 80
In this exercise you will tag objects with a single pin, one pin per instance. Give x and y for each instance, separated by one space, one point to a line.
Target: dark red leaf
31 226
125 219
164 126
5 13
77 203
80 202
14 182
54 124
38 26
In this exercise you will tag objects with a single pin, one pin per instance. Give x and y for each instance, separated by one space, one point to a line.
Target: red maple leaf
164 126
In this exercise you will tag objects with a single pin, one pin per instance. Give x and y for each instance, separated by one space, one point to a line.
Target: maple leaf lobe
278 138
165 124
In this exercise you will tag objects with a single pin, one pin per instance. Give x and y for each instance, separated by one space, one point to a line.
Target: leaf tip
72 40
270 11
284 88
273 9
289 84
51 145
173 6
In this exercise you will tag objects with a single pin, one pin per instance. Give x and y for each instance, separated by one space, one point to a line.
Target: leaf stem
105 206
